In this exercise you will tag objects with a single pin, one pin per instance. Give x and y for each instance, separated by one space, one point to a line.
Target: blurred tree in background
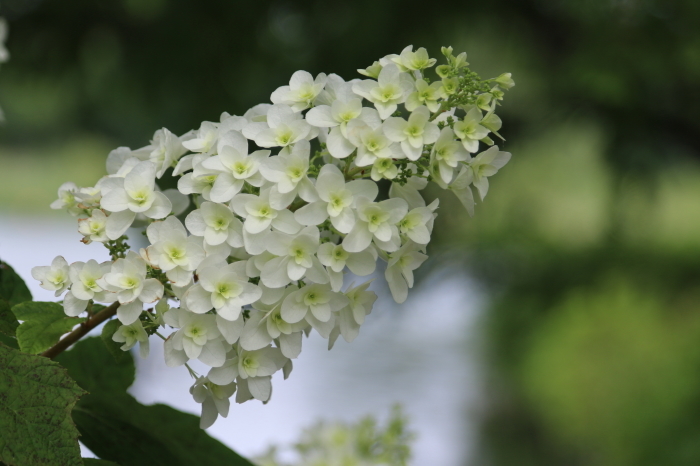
590 245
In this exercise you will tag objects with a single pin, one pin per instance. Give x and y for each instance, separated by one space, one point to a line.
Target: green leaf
96 462
42 326
109 418
8 321
12 291
157 435
9 341
114 348
36 398
96 371
12 287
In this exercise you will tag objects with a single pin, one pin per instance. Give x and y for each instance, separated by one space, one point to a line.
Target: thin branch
92 322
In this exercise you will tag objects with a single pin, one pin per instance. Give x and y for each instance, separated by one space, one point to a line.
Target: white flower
425 94
487 164
283 127
215 400
216 223
446 155
200 181
371 143
135 194
204 139
288 171
461 187
336 199
117 159
235 167
85 278
352 316
315 303
173 251
296 258
414 133
198 336
249 369
130 335
414 61
66 199
89 197
399 270
416 223
260 363
345 108
54 277
470 131
384 168
301 92
262 327
225 289
93 227
335 258
166 150
259 214
391 88
409 192
372 71
376 221
127 278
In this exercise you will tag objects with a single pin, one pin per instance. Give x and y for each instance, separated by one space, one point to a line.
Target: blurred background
564 316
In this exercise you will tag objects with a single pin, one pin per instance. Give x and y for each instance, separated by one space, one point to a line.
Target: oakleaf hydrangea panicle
276 211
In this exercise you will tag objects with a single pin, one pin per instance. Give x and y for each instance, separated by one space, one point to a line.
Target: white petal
290 344
198 299
130 312
312 214
260 387
223 375
321 117
358 239
152 291
286 222
73 306
160 208
338 146
115 200
231 330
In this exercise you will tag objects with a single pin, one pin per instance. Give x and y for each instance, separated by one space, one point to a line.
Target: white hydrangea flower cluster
273 209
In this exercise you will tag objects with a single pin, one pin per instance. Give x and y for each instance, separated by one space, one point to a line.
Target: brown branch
91 322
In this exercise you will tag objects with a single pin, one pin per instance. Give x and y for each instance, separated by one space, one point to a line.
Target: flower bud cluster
273 209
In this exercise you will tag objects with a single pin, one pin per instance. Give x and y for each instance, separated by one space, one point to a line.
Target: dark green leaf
9 341
36 398
12 287
8 321
109 418
96 462
42 326
95 370
157 435
114 348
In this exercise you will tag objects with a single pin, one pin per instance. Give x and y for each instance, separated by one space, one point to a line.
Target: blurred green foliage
589 239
